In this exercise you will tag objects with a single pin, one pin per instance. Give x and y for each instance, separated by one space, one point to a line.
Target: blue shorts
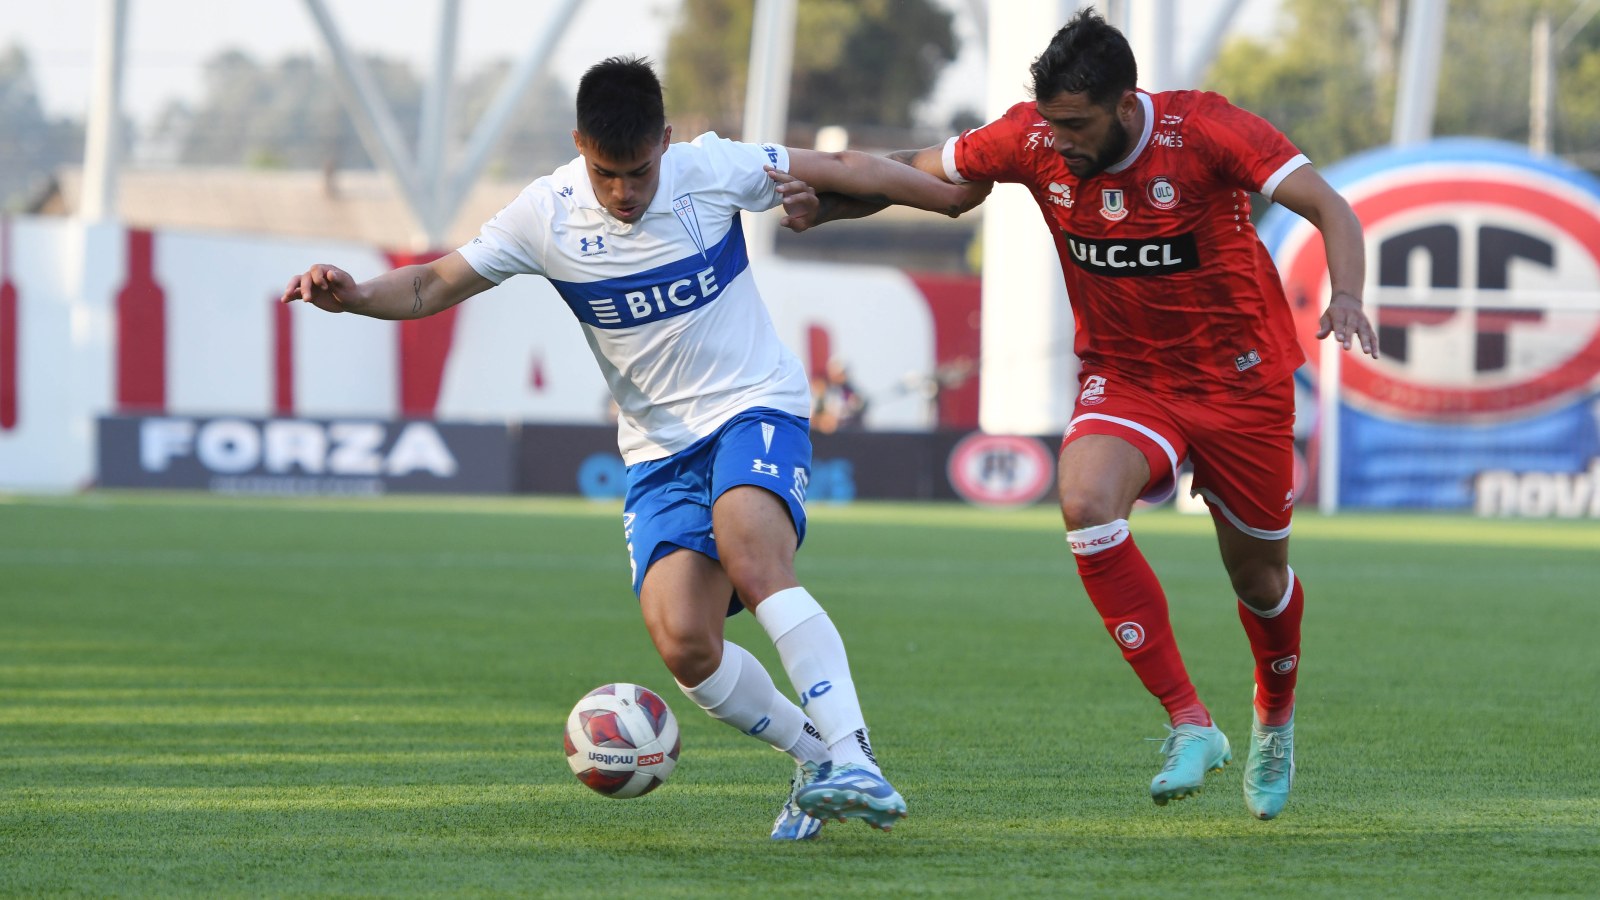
669 500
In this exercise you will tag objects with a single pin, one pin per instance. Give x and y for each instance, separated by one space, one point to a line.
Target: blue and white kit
668 304
708 396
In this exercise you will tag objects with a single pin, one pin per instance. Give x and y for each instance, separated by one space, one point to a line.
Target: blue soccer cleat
852 792
793 824
1192 751
1269 769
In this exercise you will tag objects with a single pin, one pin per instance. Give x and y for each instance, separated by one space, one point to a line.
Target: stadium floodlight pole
1151 31
766 99
102 150
374 123
1419 72
434 127
1548 42
503 108
1205 51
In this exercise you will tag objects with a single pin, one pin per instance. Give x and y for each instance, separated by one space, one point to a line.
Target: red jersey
1170 287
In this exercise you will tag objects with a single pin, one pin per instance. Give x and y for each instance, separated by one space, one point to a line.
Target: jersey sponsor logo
1134 258
1162 192
1040 140
772 153
1130 635
1112 206
1172 139
1060 194
660 293
1246 360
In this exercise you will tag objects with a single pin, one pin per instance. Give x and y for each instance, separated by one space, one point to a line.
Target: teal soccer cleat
1192 751
1269 769
852 792
793 824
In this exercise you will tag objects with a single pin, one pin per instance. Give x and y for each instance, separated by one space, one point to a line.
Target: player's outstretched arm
833 205
880 180
409 292
1306 193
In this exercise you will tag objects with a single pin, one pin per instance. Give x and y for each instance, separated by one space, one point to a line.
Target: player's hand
322 286
1347 322
800 203
972 194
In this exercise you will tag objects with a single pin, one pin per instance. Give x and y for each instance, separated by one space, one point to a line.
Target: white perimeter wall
516 353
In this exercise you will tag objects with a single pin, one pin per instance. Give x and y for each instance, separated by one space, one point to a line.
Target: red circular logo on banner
1482 284
1001 470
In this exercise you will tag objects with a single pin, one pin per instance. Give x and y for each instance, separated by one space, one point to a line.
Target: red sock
1130 601
1275 643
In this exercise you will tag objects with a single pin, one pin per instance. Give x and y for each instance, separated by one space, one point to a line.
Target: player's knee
1083 510
758 583
691 660
1260 587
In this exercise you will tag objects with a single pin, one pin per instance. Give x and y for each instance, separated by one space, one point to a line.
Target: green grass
212 697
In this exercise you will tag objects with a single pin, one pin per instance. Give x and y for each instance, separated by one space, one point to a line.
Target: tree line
1327 76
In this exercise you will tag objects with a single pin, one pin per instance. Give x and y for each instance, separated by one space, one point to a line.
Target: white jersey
668 303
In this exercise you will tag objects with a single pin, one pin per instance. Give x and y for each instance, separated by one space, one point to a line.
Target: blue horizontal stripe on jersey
659 293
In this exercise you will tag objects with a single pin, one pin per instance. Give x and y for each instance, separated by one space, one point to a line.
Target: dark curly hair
1087 56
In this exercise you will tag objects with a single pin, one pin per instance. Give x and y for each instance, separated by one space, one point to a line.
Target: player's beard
1110 153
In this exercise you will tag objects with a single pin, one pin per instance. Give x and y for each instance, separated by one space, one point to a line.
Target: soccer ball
622 740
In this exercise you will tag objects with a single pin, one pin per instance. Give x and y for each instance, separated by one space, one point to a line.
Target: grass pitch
214 697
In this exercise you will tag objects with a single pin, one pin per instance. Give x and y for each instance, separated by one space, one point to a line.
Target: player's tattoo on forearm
416 287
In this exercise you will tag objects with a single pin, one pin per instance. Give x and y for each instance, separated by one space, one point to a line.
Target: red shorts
1242 450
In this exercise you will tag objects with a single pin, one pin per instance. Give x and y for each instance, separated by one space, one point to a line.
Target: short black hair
1087 56
620 109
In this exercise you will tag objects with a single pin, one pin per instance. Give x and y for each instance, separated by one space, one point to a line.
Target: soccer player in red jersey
1187 351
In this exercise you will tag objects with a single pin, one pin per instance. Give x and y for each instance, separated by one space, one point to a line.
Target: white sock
813 654
742 694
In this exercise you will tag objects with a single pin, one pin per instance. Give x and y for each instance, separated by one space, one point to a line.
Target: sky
169 40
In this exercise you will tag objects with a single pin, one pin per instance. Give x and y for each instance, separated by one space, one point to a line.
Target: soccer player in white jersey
641 238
